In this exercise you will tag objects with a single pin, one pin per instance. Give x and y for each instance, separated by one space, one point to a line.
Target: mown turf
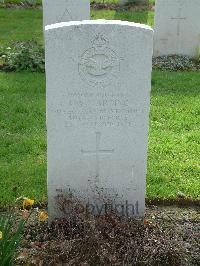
173 142
26 24
144 17
173 164
22 136
20 24
174 128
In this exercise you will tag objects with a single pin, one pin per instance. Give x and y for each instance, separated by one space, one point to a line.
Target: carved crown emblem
99 65
99 40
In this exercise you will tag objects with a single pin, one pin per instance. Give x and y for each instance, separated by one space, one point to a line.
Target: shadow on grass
136 11
175 82
137 17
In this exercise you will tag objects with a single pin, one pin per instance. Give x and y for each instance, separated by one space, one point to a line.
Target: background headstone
177 27
98 97
55 11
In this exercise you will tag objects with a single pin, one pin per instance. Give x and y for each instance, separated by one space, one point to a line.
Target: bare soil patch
165 236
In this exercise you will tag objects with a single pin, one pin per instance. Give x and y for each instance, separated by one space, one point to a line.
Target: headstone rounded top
98 22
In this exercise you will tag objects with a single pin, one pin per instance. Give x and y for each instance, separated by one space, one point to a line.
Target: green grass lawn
22 136
20 24
174 127
26 24
173 142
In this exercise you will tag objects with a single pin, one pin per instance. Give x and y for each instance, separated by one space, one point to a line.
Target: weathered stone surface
177 27
55 11
98 93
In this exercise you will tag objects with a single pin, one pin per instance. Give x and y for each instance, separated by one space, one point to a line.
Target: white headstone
177 27
55 11
98 93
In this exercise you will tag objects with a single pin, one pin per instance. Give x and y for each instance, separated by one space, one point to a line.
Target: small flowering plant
26 55
43 216
10 236
11 229
28 203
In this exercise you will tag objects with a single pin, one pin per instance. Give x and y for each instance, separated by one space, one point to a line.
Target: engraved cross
178 18
97 152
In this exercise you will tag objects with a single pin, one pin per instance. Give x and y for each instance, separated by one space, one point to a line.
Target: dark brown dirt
166 236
